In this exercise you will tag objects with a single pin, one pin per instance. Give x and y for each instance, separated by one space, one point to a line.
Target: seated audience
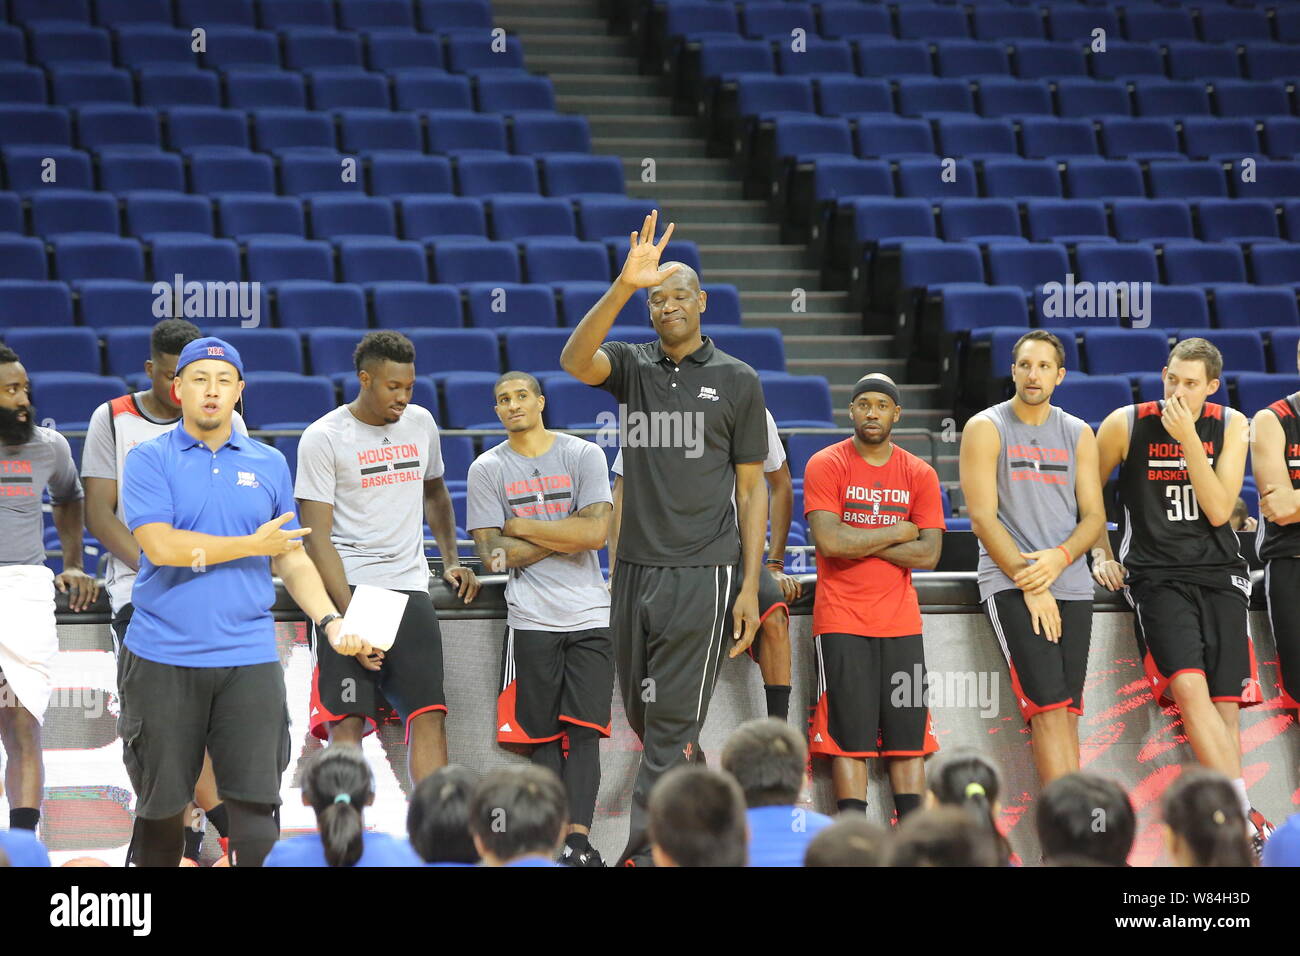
850 840
1204 825
518 817
970 782
1082 816
944 836
437 821
697 818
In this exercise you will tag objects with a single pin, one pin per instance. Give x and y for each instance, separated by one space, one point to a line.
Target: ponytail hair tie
1219 818
973 788
343 798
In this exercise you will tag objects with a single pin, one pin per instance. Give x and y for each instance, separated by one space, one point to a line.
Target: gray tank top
1036 498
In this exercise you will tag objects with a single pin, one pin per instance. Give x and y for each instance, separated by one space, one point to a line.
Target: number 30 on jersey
1181 505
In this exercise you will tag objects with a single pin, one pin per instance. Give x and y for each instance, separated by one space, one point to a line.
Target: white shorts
29 640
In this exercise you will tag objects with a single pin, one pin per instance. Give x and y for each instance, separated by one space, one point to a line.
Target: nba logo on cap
216 350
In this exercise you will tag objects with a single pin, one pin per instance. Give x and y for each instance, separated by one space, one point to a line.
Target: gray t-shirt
374 477
1036 496
563 592
115 428
25 471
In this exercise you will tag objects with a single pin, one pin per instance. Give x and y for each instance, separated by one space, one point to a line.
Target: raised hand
272 540
641 268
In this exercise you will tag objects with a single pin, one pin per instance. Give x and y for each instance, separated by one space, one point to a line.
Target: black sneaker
1261 830
588 857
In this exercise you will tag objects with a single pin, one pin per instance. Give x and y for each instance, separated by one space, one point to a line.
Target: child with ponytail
338 785
970 782
1204 825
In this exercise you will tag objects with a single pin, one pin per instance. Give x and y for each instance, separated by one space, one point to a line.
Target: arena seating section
381 164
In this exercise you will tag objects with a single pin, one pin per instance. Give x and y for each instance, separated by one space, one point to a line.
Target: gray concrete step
840 371
860 347
654 127
642 146
734 232
764 279
589 39
611 84
667 190
684 212
805 323
551 9
630 107
715 258
681 170
567 63
541 23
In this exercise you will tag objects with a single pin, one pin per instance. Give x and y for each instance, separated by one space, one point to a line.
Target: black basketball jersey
1164 533
1273 540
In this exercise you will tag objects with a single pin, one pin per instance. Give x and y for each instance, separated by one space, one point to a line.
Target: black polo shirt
684 428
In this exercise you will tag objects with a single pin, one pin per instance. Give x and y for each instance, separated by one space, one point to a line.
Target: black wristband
324 622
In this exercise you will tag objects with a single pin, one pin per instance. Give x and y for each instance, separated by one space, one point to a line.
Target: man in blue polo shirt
199 666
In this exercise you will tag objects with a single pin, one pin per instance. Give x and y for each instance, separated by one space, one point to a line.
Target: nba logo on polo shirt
710 393
247 480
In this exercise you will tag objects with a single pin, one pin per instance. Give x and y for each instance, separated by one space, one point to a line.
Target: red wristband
1066 552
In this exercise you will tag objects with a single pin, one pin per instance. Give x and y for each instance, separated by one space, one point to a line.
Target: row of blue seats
300 48
362 259
1093 397
166 86
764 95
106 304
328 351
116 130
428 15
724 57
927 21
274 400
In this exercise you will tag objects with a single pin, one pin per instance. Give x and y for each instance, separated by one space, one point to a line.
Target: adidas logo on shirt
505 729
817 739
385 441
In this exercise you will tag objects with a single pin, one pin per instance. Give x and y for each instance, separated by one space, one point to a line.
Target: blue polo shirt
23 849
377 849
779 836
216 615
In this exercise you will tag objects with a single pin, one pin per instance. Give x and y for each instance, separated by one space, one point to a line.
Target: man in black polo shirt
692 428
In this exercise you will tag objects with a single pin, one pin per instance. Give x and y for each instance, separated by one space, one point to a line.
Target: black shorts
170 715
410 678
553 679
1183 627
859 712
119 624
1282 585
770 598
1044 675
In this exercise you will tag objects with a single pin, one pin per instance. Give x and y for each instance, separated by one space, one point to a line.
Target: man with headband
875 513
199 666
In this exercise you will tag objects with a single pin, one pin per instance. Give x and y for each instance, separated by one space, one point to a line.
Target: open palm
641 268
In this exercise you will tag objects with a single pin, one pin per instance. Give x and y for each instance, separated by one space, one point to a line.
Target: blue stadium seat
11 213
1143 23
22 257
817 58
125 349
840 20
367 132
1137 220
197 127
534 350
438 217
469 399
237 47
464 261
1284 343
308 48
333 217
116 303
1002 341
411 305
882 219
457 454
330 350
55 350
202 13
1019 178
1092 397
975 138
1207 138
199 259
1125 262
289 129
1224 23
812 137
343 89
1125 351
452 15
1168 98
455 132
13 46
150 214
599 217
306 173
1179 307
891 137
427 90
999 22
1122 60
931 21
1069 22
26 166
128 171
1203 263
70 398
390 50
368 259
1104 179
78 85
285 399
761 349
307 305
886 57
1256 391
283 259
935 179
565 259
972 307
1274 179
163 86
1254 307
96 257
1276 264
1236 220
971 58
798 400
273 14
728 56
251 89
847 95
920 95
924 265
1250 98
1012 97
582 175
511 93
375 15
402 174
1078 98
508 304
1045 59
1243 349
147 44
577 298
765 19
1271 61
116 125
35 302
843 176
1192 61
722 307
1046 137
979 219
21 84
1139 138
110 13
1286 23
440 352
217 173
495 175
1190 180
68 43
1027 266
477 53
72 211
244 216
573 404
537 134
1065 220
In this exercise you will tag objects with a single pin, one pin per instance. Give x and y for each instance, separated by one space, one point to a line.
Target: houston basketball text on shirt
1166 463
389 465
876 506
541 495
16 487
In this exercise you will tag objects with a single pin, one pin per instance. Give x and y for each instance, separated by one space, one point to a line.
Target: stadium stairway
596 69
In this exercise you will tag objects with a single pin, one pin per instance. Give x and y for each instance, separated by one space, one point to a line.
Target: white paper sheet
374 614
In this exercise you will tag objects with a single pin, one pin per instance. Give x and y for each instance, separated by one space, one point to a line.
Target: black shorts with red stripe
553 680
859 710
1045 675
410 678
1282 584
1185 627
770 599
